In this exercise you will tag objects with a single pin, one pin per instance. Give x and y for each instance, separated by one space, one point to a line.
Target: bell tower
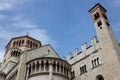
15 49
110 49
101 21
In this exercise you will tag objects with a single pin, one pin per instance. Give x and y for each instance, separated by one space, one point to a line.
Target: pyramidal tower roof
96 6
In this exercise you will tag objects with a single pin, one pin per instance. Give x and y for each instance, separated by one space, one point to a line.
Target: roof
26 36
98 4
45 51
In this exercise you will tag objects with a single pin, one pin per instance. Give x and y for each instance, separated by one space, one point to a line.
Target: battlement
85 50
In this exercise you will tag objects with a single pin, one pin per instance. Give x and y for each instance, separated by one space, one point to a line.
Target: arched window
42 65
30 44
54 66
99 77
58 67
15 53
64 69
47 65
12 53
17 43
14 43
83 69
67 72
96 62
61 68
72 74
37 65
22 42
33 66
29 69
96 16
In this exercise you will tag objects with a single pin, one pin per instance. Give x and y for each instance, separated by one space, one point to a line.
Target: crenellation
86 50
94 41
69 56
84 47
75 52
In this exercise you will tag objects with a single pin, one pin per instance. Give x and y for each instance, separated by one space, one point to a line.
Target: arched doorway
99 77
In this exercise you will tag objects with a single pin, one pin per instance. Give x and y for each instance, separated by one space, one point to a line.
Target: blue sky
65 24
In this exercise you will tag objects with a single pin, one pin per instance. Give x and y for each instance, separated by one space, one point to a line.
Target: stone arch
64 69
54 66
14 43
42 65
61 68
31 44
33 67
17 43
58 67
37 65
22 42
29 69
16 52
95 60
99 77
47 65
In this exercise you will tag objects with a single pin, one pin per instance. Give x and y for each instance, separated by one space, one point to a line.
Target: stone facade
101 60
27 59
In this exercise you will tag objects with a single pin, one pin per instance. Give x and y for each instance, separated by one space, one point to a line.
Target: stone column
27 74
44 66
50 71
35 66
40 66
60 68
31 68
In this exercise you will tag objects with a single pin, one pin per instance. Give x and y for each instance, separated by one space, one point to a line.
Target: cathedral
26 58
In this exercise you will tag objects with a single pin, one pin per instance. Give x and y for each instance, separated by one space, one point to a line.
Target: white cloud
10 4
6 34
41 35
23 24
18 25
5 6
19 22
